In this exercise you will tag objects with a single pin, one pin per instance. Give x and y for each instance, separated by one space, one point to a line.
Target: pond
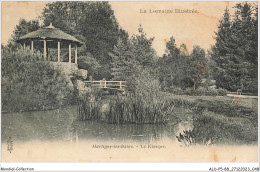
63 125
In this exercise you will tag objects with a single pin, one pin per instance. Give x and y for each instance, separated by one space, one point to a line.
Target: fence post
105 85
100 83
120 83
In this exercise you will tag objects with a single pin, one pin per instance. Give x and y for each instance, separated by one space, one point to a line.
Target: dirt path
242 96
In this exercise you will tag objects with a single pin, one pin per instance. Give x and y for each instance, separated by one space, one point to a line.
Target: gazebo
50 37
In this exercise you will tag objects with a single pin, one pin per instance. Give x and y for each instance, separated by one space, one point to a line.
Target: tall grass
134 109
142 104
126 109
90 106
89 110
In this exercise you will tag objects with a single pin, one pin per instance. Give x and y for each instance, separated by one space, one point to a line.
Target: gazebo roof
49 33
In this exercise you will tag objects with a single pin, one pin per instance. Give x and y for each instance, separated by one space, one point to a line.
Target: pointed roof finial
50 26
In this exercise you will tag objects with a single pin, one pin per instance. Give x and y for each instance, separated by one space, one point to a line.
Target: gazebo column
58 51
24 46
32 46
70 53
76 54
48 56
45 49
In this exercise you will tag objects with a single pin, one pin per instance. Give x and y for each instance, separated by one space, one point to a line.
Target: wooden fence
116 85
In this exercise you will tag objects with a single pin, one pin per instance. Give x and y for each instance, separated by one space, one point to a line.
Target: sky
189 28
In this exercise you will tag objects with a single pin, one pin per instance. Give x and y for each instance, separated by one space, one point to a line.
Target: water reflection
63 125
50 125
102 131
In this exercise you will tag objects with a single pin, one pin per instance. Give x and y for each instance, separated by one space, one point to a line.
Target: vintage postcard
98 81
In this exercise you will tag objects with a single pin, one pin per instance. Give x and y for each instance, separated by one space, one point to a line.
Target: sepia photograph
121 81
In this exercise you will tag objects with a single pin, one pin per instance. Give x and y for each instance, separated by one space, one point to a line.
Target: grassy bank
221 104
219 119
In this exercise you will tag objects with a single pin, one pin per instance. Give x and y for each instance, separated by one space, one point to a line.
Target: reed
142 104
131 108
135 109
89 109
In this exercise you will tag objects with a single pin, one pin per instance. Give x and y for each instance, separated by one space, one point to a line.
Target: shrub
178 91
199 92
222 92
188 91
212 92
32 84
89 63
207 92
175 90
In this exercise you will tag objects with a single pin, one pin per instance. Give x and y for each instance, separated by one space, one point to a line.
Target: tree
245 34
168 64
93 23
234 54
141 49
22 29
221 50
183 50
180 70
173 66
171 49
127 57
100 29
65 15
121 61
198 65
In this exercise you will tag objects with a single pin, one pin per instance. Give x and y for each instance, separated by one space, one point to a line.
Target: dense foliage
235 54
93 23
133 58
177 68
21 29
28 83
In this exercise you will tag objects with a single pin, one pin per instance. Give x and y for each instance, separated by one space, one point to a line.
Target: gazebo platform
67 68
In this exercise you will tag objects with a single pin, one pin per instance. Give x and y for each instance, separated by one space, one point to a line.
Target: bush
142 81
212 92
199 92
205 92
32 84
222 92
175 90
89 63
188 91
178 91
